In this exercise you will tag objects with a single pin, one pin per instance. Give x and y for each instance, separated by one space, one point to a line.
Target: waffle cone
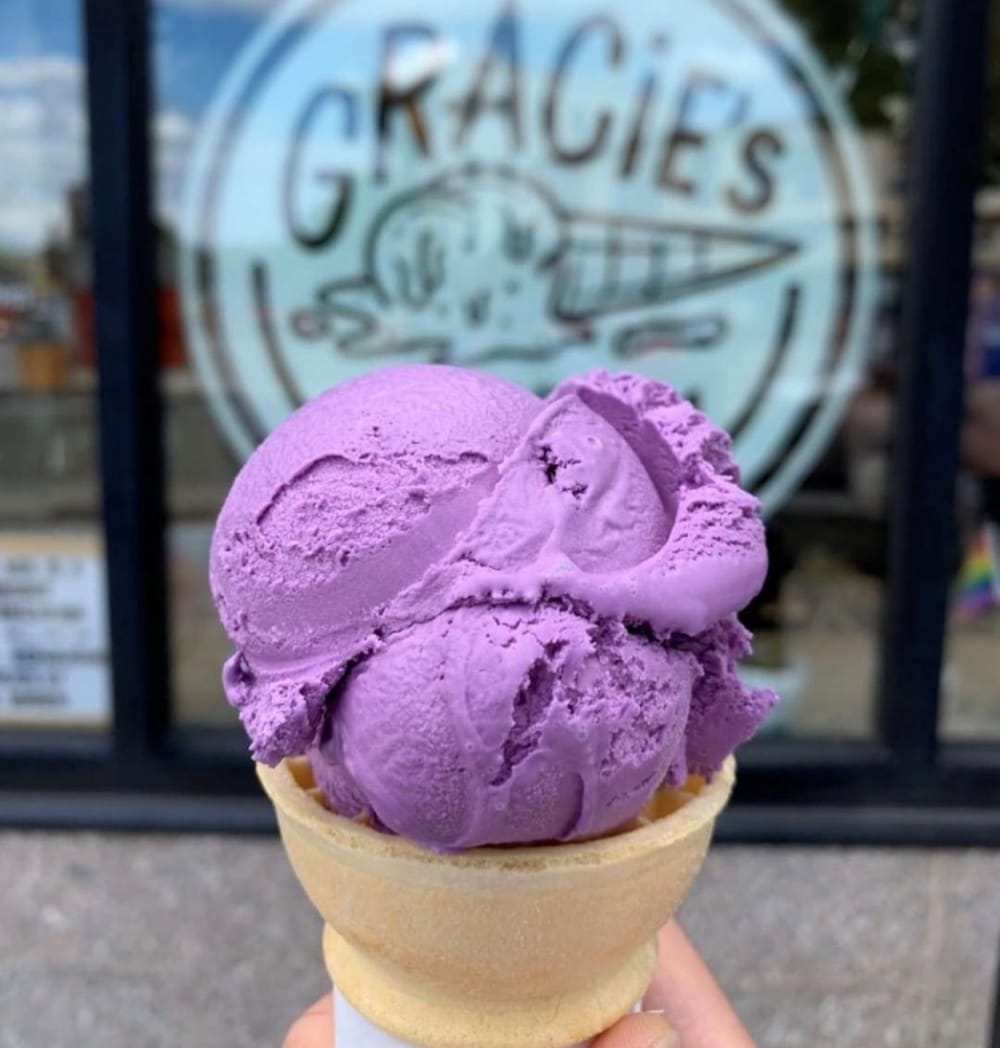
527 947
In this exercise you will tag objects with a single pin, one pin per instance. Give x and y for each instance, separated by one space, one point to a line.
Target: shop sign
54 667
536 189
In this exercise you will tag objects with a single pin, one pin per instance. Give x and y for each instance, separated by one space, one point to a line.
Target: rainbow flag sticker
978 590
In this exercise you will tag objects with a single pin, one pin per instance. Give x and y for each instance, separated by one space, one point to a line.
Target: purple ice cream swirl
490 618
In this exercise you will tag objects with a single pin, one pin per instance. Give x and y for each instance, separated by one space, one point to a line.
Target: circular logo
535 189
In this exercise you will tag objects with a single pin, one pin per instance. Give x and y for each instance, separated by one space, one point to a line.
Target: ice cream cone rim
284 785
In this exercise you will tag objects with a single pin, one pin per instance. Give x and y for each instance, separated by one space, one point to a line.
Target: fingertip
314 1028
639 1031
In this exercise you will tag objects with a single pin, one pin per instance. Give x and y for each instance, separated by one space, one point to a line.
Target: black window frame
907 786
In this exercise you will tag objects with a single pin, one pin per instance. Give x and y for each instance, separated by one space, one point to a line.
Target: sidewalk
206 942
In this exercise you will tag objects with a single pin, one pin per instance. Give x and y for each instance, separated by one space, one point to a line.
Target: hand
687 1009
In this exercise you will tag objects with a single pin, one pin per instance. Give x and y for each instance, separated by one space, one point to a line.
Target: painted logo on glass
534 189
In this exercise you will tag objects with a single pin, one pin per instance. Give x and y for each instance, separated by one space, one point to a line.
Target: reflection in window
53 629
971 678
818 618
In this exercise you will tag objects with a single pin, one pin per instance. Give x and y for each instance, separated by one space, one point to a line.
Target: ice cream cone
611 264
526 947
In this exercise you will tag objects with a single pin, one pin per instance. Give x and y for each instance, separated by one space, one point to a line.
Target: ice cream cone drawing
484 263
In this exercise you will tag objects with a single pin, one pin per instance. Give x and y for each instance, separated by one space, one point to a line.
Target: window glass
971 678
53 616
710 193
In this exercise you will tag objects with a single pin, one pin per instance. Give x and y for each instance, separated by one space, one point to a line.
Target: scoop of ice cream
491 618
492 726
346 504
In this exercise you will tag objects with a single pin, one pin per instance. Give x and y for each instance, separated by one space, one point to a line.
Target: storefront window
818 620
194 43
711 194
971 678
53 618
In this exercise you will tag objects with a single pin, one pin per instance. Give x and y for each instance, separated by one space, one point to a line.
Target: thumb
645 1030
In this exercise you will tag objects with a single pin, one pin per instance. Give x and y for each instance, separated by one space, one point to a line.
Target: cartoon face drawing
483 263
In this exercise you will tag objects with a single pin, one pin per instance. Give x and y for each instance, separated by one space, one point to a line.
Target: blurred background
788 208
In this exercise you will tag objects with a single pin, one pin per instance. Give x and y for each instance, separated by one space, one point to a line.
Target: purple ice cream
490 618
